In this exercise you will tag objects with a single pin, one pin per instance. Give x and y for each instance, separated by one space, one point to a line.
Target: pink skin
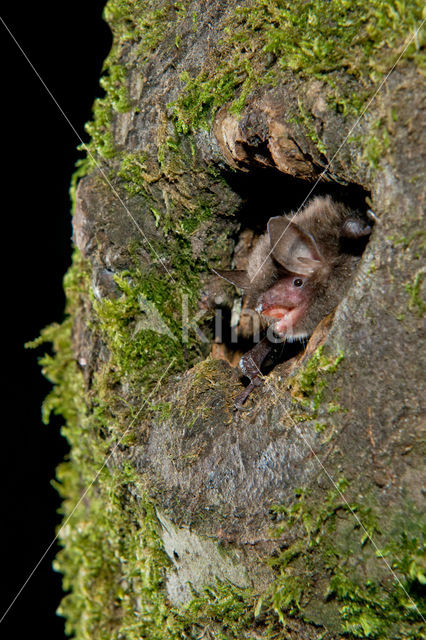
286 303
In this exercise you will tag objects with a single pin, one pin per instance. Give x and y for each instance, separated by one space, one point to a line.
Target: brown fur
308 244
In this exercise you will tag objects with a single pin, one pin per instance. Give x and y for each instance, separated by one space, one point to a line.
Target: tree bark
298 516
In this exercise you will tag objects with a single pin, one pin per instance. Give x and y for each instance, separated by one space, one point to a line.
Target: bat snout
275 311
285 319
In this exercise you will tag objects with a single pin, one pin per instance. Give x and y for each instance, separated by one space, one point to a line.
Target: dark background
67 44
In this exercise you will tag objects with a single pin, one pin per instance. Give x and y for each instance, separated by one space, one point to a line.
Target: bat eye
298 282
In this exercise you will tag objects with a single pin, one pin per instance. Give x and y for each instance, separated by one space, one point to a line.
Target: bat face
298 270
285 304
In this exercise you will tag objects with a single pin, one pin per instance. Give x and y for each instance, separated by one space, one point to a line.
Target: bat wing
236 277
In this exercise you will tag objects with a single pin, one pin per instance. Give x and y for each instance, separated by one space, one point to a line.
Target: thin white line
84 495
299 432
412 37
166 269
96 163
159 259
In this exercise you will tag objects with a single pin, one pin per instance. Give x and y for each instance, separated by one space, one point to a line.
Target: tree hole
265 193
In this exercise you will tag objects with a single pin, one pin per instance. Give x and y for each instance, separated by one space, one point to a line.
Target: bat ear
355 228
236 277
295 249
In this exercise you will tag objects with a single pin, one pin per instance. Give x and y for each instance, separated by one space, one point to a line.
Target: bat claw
242 397
371 215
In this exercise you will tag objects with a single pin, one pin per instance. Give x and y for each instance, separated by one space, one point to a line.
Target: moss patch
112 559
332 533
146 320
308 385
416 303
326 40
131 22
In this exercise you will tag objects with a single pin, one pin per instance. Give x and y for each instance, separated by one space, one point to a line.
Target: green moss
378 609
327 40
112 560
227 609
202 97
405 241
113 563
134 174
332 407
181 212
192 220
82 168
116 99
416 303
325 537
309 384
320 426
131 22
60 368
329 537
146 320
376 143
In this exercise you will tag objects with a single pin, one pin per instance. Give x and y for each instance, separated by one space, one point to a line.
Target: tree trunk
298 516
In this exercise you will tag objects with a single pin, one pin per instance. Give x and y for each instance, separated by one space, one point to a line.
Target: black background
67 43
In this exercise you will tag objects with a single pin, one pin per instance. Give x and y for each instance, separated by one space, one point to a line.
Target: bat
297 273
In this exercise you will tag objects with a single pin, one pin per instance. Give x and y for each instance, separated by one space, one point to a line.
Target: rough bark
299 516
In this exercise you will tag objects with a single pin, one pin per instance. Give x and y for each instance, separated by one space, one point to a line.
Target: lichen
325 535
